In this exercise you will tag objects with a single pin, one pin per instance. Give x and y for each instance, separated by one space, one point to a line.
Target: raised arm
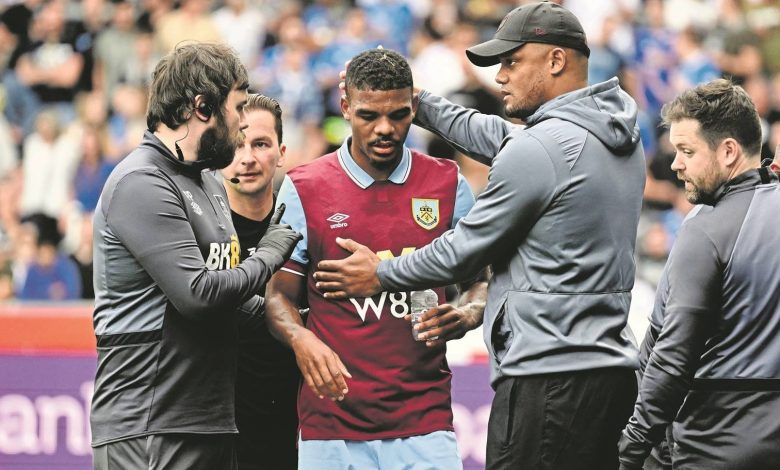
476 135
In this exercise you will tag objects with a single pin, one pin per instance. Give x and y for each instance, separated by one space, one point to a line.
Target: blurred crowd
74 77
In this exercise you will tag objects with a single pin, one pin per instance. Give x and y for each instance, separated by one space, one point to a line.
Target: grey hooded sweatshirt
557 222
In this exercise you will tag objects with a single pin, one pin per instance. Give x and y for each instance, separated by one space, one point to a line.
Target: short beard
516 113
533 94
704 193
217 147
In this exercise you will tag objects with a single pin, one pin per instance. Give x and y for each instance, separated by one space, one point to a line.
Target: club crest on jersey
195 205
426 212
222 205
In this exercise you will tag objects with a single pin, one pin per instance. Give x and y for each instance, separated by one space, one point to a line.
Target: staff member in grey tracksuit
660 458
168 283
714 372
558 224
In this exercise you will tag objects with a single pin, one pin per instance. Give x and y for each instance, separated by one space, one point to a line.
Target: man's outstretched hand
354 276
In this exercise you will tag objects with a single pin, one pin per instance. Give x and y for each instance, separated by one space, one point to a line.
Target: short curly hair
378 69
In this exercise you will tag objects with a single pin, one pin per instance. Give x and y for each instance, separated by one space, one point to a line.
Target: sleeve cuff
294 267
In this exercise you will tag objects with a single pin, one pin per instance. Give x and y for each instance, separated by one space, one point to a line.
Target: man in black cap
557 222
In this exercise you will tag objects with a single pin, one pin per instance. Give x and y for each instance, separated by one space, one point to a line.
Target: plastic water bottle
421 301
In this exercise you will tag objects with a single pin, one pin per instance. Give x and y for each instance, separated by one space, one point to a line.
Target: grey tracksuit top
714 370
166 302
557 222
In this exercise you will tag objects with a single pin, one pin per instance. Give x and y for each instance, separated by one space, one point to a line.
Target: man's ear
730 149
557 59
282 152
345 107
415 103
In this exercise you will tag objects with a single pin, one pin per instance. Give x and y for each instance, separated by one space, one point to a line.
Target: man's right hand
279 239
321 368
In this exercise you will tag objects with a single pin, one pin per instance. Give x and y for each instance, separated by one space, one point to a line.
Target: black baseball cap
543 22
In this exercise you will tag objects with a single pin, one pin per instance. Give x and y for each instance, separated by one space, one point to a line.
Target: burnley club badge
426 212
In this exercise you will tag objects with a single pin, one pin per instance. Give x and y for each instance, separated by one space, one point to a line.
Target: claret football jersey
399 387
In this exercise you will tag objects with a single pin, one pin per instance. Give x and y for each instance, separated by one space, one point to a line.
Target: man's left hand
354 276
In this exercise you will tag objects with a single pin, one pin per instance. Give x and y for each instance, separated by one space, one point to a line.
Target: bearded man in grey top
713 372
169 283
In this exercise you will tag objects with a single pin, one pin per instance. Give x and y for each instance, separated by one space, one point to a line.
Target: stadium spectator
168 284
114 46
267 379
654 59
558 223
713 370
51 275
52 64
49 161
695 65
92 171
192 21
389 396
242 25
22 105
126 124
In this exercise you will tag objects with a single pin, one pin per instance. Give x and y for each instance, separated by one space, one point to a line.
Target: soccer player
267 379
374 397
168 284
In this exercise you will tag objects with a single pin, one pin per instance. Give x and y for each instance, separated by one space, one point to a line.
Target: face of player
258 157
380 121
219 142
695 162
522 80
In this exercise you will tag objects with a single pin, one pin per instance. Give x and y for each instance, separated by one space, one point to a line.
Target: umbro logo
338 220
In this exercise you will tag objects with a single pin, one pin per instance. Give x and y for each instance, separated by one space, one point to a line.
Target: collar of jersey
363 179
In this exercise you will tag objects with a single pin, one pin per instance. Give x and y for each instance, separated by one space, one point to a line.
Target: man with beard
169 288
267 380
557 222
389 402
714 372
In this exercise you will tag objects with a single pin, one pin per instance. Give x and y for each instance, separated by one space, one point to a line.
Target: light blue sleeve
464 200
295 217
